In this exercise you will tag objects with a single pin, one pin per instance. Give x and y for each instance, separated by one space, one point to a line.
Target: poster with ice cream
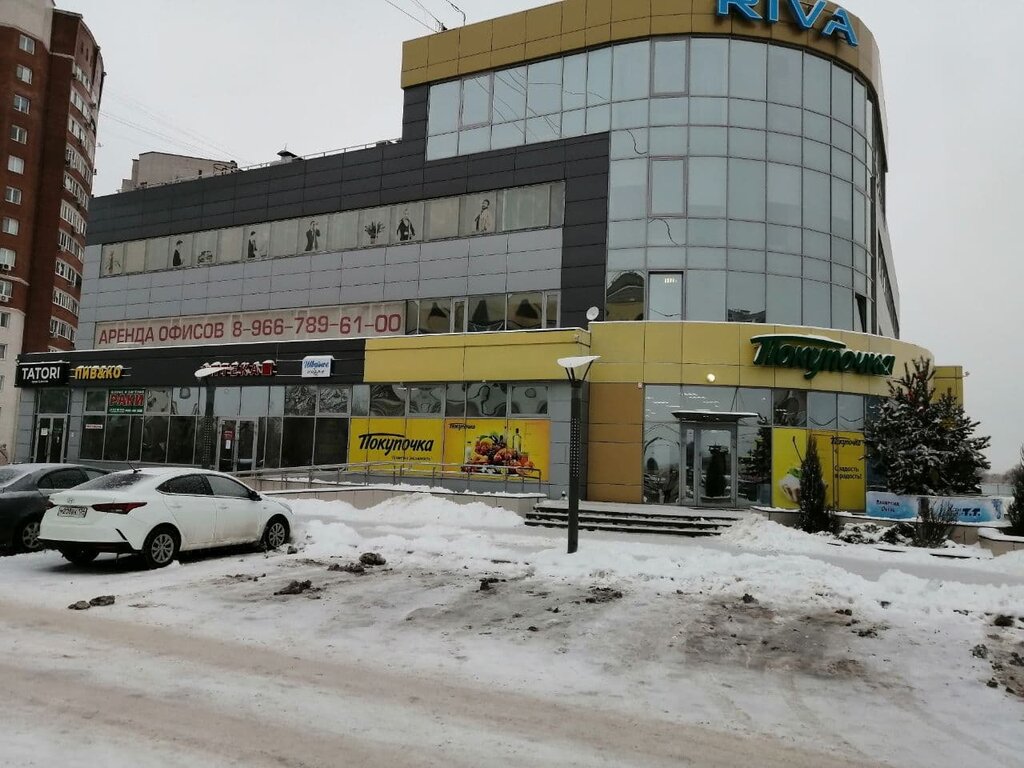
788 448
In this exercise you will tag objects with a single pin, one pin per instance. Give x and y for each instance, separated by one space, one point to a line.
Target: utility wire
426 10
421 22
168 123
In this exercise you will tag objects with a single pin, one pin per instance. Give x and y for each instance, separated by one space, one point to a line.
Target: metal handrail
319 475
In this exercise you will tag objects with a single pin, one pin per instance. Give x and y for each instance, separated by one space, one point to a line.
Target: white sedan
158 513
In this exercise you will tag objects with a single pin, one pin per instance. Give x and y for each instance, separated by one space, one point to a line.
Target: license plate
71 511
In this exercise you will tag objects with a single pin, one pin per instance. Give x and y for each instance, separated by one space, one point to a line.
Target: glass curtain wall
742 171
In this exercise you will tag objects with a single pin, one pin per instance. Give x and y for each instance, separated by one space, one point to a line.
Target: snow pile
412 509
758 534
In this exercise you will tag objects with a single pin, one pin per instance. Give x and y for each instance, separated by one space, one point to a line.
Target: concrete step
634 518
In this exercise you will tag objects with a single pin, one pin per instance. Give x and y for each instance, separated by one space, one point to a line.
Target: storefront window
625 298
154 439
455 400
486 313
407 223
158 400
156 253
297 442
331 441
185 401
300 400
487 400
95 401
254 401
343 231
135 439
115 447
334 400
757 401
426 400
526 208
206 245
387 400
669 67
443 218
851 413
93 428
284 237
754 446
790 408
181 440
428 315
361 400
272 452
659 403
718 399
226 401
525 311
529 399
665 301
821 410
661 463
478 213
52 400
374 226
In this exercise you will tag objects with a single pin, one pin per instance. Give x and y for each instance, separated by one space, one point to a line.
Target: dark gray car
24 489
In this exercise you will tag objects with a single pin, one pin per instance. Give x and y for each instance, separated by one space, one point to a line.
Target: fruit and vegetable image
489 454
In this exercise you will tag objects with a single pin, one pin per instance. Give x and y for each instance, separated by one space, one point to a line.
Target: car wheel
276 533
160 547
26 538
79 556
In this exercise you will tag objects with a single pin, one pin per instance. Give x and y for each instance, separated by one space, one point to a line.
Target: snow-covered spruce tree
922 444
1016 511
815 516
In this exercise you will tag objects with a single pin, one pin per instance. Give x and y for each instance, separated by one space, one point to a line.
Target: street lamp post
572 365
205 376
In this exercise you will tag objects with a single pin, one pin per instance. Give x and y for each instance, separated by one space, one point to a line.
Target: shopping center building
704 178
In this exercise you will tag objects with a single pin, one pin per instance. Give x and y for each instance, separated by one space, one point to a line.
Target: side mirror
254 496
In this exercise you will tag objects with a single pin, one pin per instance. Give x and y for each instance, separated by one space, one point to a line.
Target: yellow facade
633 355
572 25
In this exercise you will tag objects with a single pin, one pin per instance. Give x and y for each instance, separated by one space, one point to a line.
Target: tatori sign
41 374
814 354
770 11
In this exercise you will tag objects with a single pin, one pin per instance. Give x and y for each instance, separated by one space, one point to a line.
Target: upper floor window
9 225
22 104
12 195
6 291
5 319
7 258
19 134
27 44
3 351
15 164
23 73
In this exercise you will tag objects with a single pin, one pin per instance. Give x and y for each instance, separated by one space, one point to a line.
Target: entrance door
236 445
50 440
710 456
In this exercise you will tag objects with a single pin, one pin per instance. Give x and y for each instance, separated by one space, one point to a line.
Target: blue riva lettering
840 23
773 11
806 20
746 7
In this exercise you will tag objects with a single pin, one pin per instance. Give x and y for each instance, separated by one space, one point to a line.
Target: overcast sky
241 79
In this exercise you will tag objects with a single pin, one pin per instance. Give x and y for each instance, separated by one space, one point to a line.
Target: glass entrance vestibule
710 471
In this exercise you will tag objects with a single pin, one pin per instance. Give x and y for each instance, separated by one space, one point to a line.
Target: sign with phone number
355 320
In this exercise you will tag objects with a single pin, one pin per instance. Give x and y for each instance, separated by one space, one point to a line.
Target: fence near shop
449 477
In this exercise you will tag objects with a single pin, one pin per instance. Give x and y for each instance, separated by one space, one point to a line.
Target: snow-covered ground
763 647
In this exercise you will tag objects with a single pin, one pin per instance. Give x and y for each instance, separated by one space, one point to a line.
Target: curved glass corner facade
740 180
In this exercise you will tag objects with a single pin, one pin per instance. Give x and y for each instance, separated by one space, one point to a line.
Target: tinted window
92 474
187 485
113 482
61 478
223 486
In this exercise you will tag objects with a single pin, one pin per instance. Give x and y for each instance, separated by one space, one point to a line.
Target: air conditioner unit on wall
5 299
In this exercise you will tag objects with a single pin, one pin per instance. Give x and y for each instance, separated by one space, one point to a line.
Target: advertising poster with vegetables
788 449
498 446
397 441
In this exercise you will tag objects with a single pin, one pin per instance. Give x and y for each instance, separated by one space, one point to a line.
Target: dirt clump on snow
296 588
372 558
356 568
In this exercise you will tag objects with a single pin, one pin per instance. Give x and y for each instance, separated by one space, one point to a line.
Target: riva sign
815 354
771 11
